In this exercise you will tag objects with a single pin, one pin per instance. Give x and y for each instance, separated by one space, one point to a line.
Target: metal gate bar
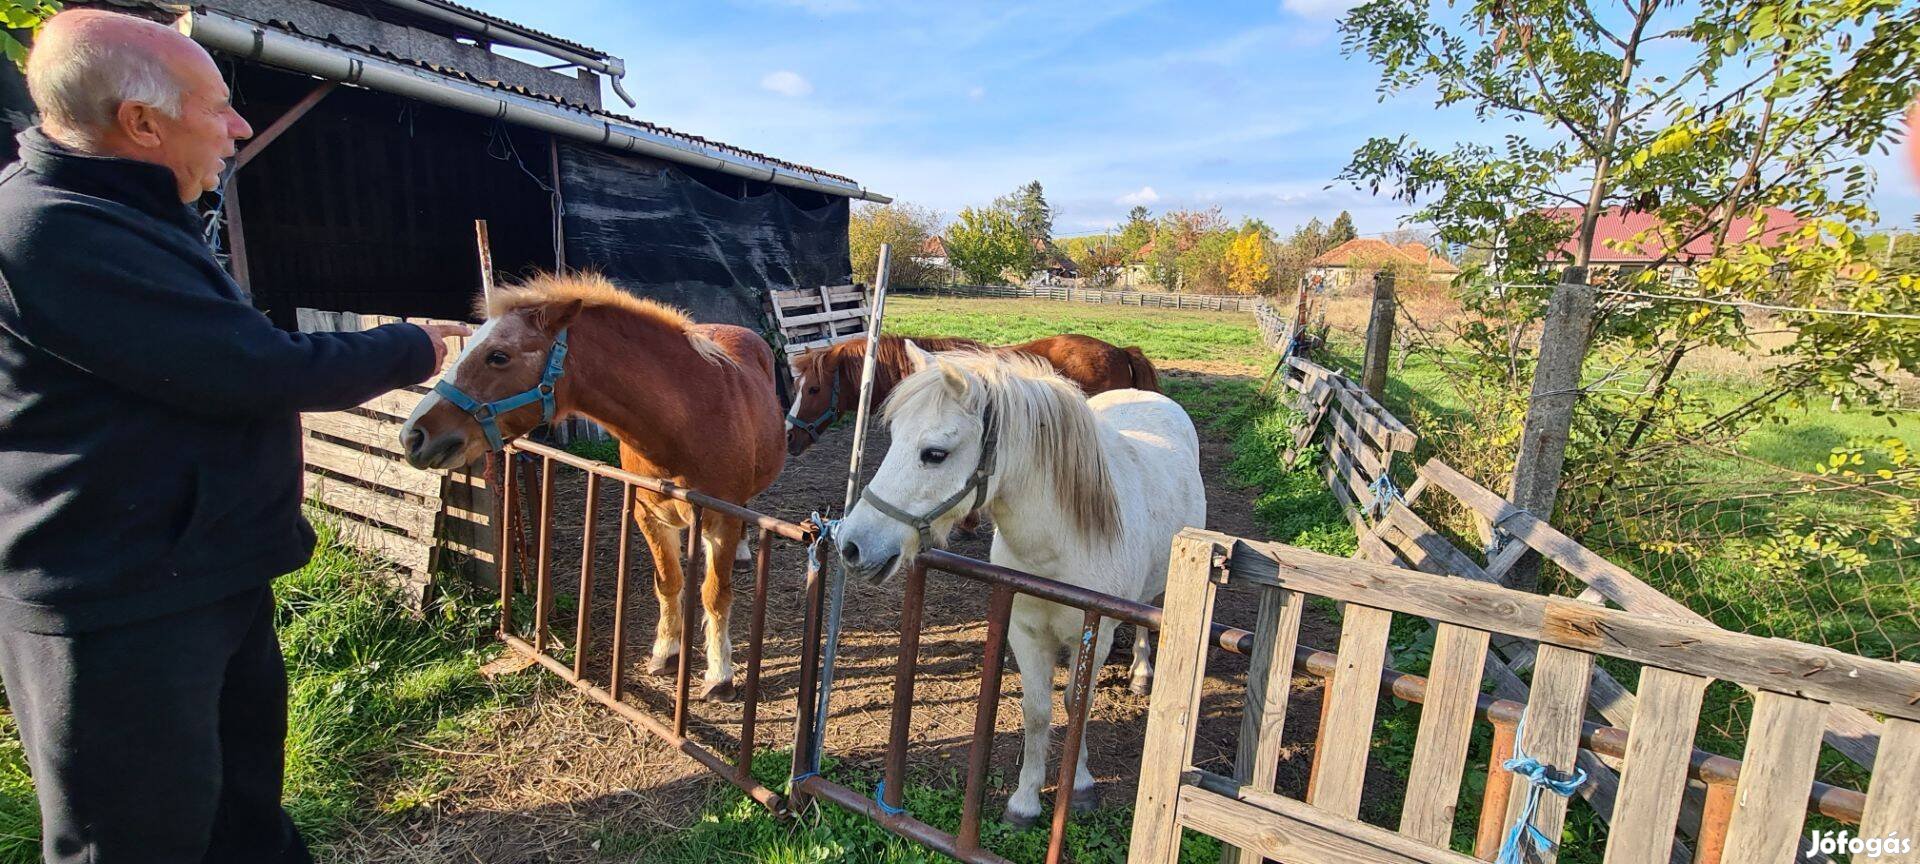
673 732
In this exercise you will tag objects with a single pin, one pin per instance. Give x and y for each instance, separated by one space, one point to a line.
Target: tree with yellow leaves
1249 264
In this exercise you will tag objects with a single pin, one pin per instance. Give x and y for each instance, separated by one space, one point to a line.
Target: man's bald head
86 62
115 85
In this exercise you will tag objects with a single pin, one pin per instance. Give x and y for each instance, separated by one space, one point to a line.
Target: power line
1749 304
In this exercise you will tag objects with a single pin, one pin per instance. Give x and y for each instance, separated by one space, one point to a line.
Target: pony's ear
917 357
553 318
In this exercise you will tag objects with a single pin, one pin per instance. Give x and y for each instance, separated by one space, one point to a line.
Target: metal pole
836 575
867 366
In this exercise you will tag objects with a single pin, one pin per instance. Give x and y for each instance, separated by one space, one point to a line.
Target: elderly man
150 461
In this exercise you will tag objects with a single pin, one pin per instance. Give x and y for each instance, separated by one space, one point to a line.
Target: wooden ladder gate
1756 807
357 476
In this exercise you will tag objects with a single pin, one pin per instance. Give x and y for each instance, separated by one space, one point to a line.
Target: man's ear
139 122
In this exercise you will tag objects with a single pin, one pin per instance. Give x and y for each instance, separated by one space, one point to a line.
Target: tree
1136 232
1034 216
1249 266
25 16
1342 230
985 243
907 228
1098 258
1712 117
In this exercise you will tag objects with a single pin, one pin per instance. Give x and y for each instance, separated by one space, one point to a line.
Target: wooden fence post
1556 387
1373 370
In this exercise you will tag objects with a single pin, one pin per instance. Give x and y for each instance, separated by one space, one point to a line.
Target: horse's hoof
667 665
720 691
1086 800
1019 822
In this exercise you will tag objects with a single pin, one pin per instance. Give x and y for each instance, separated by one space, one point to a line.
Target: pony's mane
891 364
1038 412
596 291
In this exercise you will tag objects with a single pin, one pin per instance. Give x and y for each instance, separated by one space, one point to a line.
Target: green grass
732 827
368 684
1163 334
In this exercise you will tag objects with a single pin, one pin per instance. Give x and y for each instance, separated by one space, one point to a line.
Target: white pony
1084 491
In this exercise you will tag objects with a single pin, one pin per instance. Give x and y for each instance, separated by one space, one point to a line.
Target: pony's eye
812 390
497 358
933 456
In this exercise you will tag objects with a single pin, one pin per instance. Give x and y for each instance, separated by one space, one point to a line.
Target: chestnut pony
690 403
828 379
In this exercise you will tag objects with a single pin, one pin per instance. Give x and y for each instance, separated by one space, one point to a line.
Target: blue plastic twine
1538 781
880 798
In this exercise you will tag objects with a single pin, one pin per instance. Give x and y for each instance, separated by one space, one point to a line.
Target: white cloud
787 82
976 94
1146 195
1324 10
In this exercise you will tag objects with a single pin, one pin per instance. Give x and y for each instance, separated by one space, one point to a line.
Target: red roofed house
1627 240
1355 261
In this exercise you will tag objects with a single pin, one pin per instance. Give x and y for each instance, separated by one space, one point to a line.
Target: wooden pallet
811 318
358 479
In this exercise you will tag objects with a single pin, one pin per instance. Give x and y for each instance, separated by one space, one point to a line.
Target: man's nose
241 129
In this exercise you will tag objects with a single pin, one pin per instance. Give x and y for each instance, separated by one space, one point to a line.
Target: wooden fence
1148 299
357 477
1756 811
1358 439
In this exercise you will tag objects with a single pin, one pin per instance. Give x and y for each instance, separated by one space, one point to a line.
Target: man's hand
440 333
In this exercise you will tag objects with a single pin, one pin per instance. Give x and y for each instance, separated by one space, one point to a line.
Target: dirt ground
552 779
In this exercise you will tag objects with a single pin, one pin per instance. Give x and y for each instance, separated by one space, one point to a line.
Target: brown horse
690 403
828 379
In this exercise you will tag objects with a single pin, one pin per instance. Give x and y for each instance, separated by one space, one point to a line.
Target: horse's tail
1144 378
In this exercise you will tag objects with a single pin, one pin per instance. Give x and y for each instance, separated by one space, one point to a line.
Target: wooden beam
1807 671
281 123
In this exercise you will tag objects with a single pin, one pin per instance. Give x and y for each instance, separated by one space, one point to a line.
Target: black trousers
161 741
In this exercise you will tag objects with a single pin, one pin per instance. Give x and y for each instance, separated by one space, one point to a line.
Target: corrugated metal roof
532 31
464 75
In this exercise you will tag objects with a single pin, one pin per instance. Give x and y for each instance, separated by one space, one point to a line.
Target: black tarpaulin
709 243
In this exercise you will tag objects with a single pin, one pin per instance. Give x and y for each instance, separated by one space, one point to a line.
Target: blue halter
818 425
487 413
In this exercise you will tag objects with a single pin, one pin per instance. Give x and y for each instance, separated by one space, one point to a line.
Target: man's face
197 144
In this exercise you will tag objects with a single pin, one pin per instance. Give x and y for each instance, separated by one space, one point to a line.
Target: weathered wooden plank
365 431
1770 804
1341 763
1446 727
1365 455
1893 798
1774 664
1269 681
1287 830
1373 419
406 552
857 314
396 405
381 470
1174 709
1654 780
1550 733
407 517
1343 468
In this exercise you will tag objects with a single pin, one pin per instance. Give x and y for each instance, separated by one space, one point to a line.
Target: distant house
933 253
1631 241
1355 261
1053 264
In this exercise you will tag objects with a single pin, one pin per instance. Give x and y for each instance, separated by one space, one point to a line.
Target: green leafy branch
22 15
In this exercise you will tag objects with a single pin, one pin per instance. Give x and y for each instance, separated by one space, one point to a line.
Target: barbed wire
1719 301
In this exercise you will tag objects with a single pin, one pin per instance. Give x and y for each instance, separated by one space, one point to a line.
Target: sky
1251 107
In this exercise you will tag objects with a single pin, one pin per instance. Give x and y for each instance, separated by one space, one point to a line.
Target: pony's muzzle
870 564
424 451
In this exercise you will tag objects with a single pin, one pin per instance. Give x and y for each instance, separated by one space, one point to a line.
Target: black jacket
149 416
